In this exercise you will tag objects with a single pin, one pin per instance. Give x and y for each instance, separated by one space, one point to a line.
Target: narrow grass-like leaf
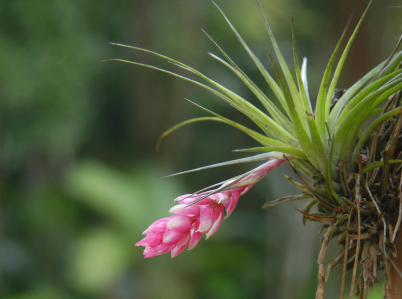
186 122
347 131
377 164
307 169
341 63
271 82
270 127
301 134
367 133
297 153
302 92
255 135
391 88
392 65
298 101
263 125
359 113
338 108
328 174
366 91
276 115
249 150
226 185
255 158
284 135
317 142
320 116
305 81
376 111
345 98
389 58
284 199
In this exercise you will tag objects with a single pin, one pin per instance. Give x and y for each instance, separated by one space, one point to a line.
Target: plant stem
393 290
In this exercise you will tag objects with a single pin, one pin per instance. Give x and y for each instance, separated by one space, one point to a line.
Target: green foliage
302 134
79 180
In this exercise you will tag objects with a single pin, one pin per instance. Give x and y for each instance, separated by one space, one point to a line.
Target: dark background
79 175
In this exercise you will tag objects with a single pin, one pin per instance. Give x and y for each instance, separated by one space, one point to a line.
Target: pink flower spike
260 172
181 245
179 223
149 252
219 213
164 248
151 240
195 235
172 236
195 238
220 197
232 202
207 215
189 200
192 218
182 209
158 226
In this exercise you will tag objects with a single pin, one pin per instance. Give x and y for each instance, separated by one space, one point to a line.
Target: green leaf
341 63
305 81
307 169
255 135
367 133
377 164
328 175
271 108
270 127
320 152
284 199
298 102
392 65
186 122
337 110
348 129
271 82
366 91
276 114
376 111
320 116
297 153
390 88
260 157
301 135
344 99
300 83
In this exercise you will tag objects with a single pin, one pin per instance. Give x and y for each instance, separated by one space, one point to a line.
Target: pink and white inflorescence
193 218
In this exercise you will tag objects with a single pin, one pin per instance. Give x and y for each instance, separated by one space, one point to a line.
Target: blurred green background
79 175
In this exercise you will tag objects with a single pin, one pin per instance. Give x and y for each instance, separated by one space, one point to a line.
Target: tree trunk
395 271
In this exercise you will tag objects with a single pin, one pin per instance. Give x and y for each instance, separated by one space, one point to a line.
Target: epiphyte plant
353 179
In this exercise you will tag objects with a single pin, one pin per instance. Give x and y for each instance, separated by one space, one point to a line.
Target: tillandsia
352 178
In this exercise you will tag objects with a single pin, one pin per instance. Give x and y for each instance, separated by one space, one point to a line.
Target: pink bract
193 218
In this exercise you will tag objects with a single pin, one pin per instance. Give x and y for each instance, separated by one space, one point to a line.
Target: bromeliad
356 177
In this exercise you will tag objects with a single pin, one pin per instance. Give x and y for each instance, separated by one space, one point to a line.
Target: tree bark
395 271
